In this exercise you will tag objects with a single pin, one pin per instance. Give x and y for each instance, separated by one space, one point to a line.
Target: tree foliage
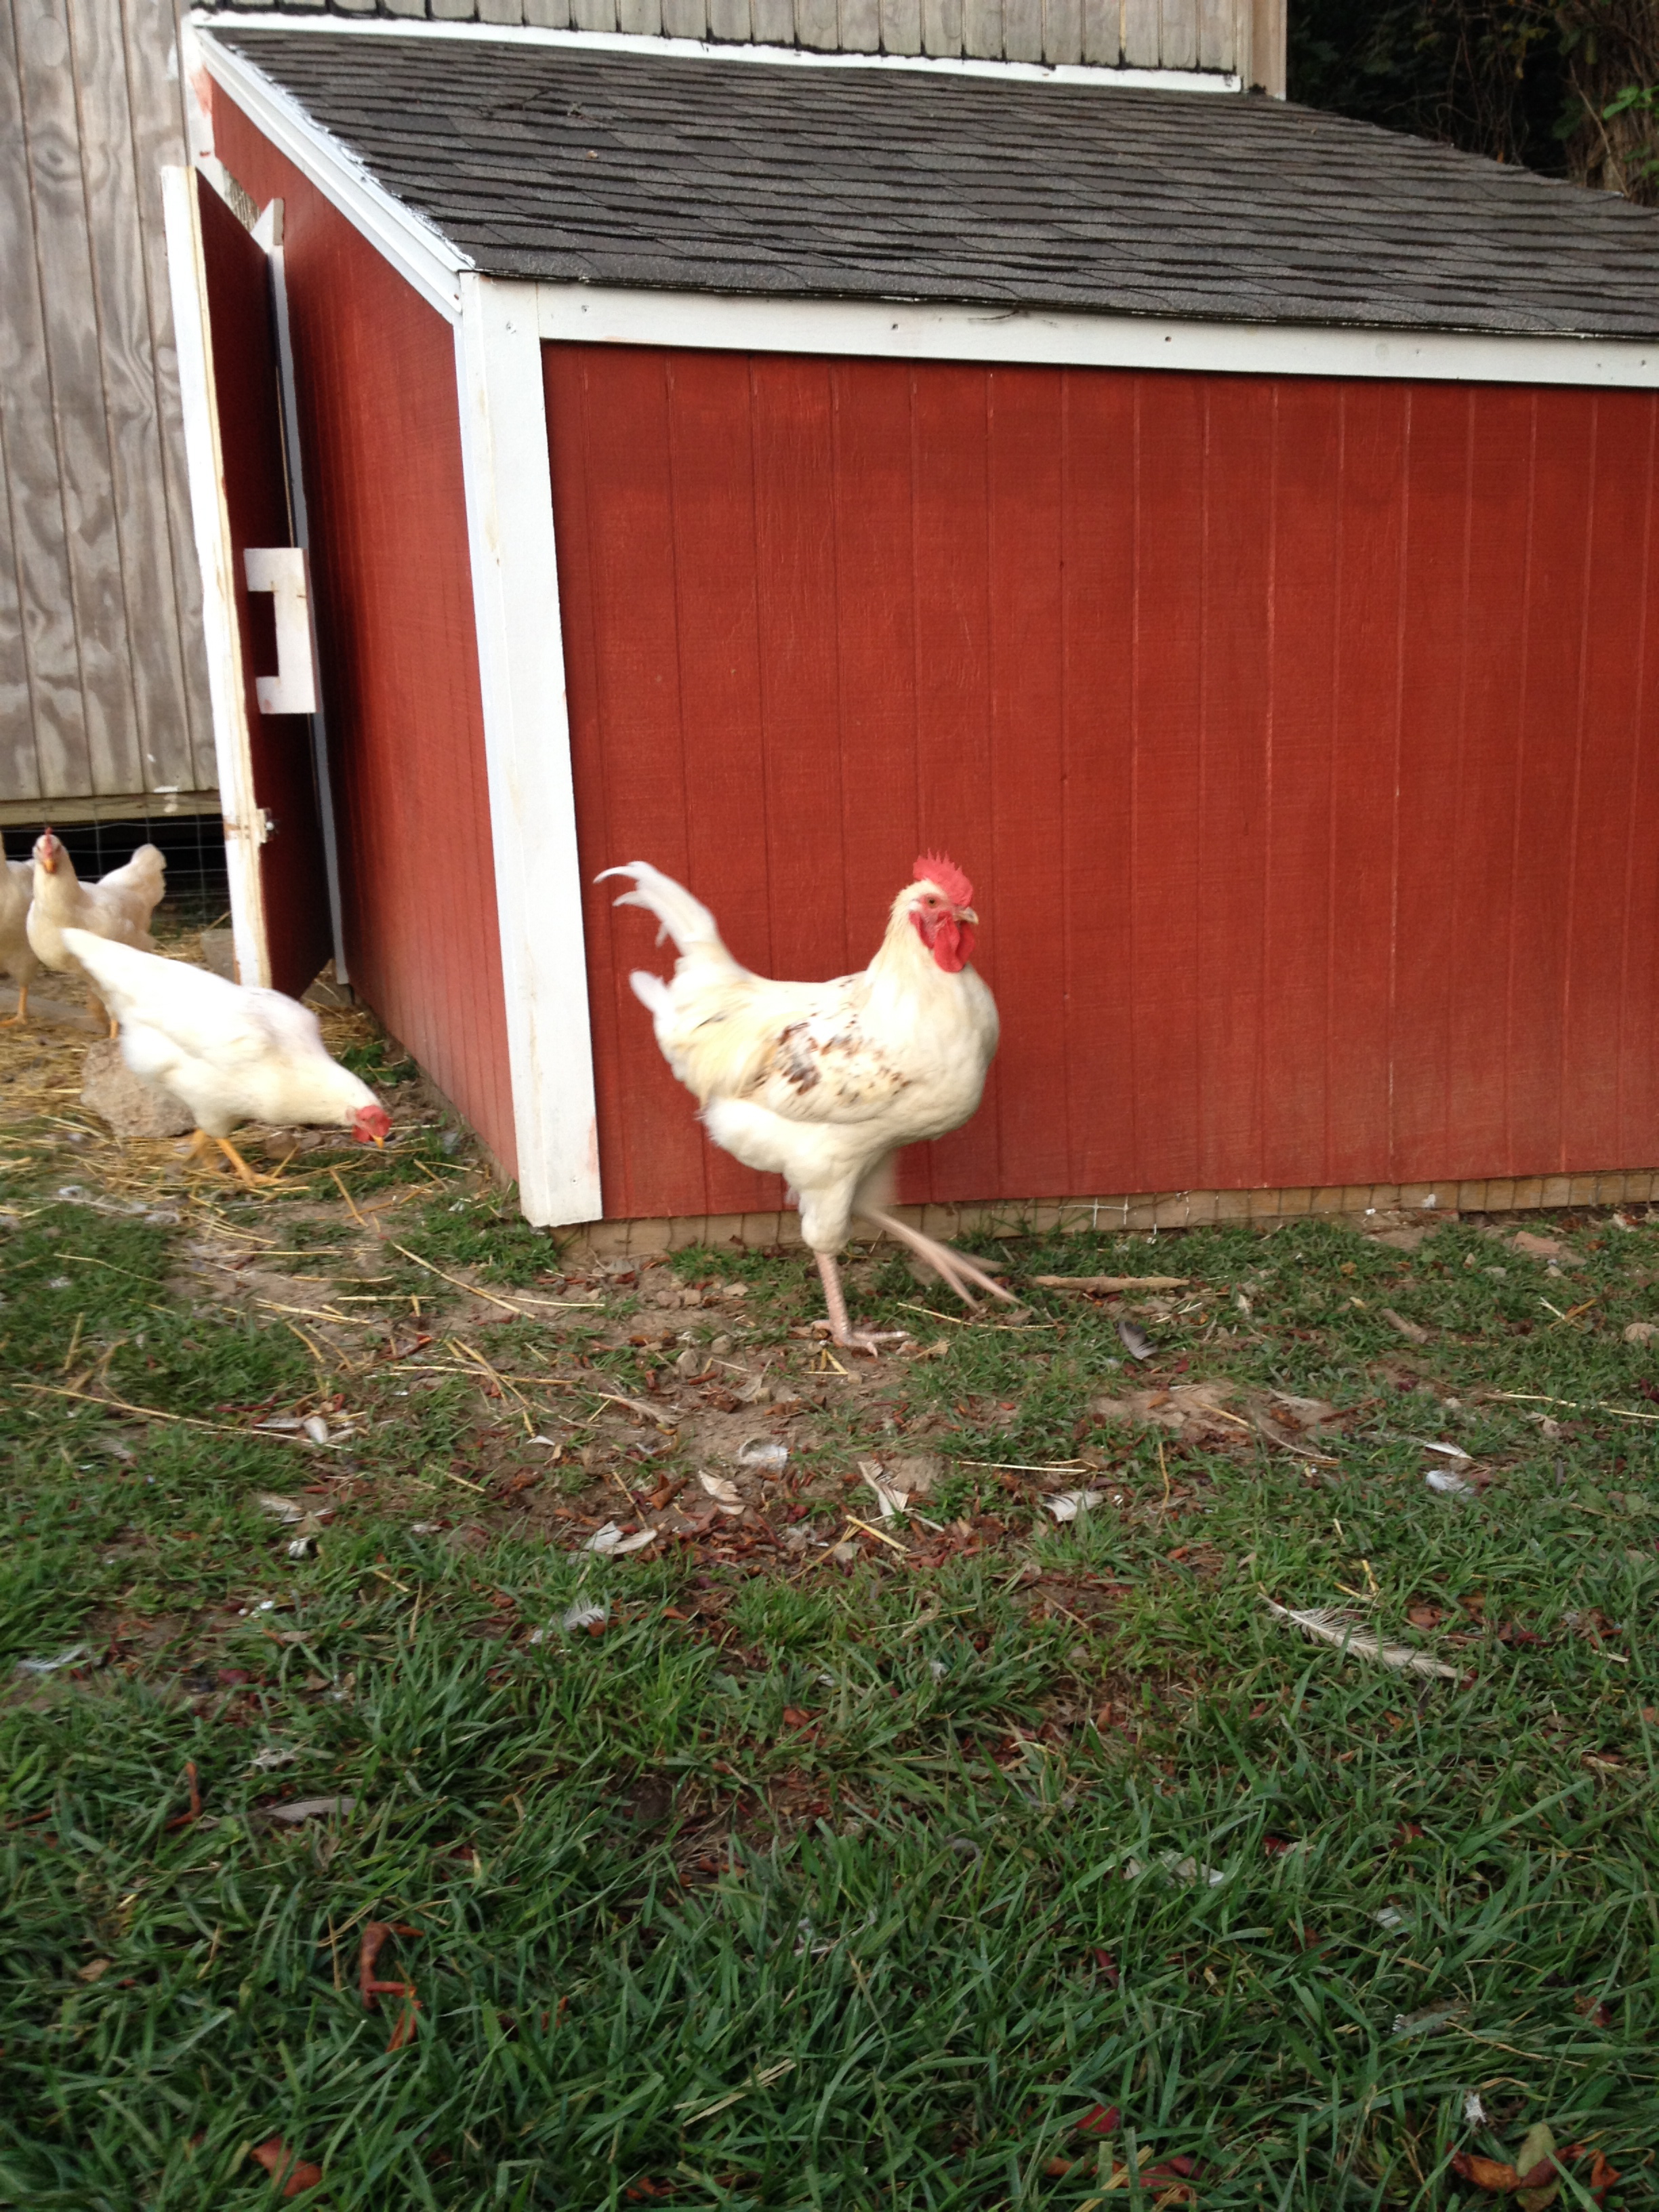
1567 87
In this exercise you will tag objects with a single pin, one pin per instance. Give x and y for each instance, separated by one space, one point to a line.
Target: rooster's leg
951 1267
22 1013
243 1170
849 1339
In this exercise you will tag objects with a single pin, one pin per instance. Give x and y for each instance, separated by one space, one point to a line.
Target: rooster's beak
378 1143
967 914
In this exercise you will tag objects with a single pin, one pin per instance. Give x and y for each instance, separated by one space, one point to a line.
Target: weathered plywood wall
103 691
1245 36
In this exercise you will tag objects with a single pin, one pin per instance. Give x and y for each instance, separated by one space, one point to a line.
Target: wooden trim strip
532 799
1147 1209
598 315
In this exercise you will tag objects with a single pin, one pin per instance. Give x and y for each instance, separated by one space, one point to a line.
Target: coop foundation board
1246 658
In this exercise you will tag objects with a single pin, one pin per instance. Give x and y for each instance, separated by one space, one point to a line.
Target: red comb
934 868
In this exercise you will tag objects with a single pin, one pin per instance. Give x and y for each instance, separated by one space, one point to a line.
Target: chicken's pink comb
934 868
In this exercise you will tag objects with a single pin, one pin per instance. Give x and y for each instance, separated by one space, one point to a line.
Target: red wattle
953 945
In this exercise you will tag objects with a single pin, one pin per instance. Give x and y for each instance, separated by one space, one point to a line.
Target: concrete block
132 1108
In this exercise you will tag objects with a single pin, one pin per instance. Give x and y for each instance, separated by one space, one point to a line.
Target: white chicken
229 1053
17 884
119 906
821 1082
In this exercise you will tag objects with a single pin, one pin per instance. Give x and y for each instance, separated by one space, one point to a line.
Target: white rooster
821 1082
119 906
229 1053
16 958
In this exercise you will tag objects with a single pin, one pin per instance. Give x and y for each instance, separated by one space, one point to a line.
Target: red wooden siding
1299 737
380 427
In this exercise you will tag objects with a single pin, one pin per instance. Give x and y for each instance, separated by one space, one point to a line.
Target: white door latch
282 571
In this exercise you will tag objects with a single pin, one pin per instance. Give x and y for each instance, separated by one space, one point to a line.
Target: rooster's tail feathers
651 991
685 919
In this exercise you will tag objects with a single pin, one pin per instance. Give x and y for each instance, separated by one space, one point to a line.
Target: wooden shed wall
380 429
103 686
1300 739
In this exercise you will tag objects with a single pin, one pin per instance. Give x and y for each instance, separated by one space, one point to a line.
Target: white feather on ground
1331 1625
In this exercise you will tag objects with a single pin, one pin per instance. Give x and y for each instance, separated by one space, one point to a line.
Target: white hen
17 957
821 1082
119 906
229 1053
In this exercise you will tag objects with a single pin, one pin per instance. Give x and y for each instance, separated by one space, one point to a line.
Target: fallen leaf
1106 1966
93 1970
1541 2182
1641 1332
1412 1329
1541 1248
375 1937
309 1809
1594 2009
1099 2120
294 2174
1485 2172
726 1494
279 1509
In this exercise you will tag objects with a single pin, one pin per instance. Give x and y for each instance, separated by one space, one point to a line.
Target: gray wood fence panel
102 686
45 751
149 30
64 256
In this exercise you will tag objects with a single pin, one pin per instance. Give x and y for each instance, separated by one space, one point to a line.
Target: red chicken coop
1224 529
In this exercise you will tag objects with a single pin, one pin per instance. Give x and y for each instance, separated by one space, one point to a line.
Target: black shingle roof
634 169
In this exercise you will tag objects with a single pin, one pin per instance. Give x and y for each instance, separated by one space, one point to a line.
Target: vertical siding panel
1232 797
870 514
711 457
1638 1089
659 1148
799 629
1610 680
1548 776
1479 888
1025 926
1431 690
1364 732
1300 1072
1098 569
1164 861
950 802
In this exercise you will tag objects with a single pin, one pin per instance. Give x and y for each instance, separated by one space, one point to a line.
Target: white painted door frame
244 821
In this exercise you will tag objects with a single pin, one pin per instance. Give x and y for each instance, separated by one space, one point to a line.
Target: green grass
809 1886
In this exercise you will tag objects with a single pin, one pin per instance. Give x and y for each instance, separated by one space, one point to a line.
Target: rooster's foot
953 1268
860 1339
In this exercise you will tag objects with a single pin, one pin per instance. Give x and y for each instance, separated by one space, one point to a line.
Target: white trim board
188 282
418 252
532 799
1098 74
599 315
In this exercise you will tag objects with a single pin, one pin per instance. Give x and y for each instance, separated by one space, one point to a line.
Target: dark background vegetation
1567 87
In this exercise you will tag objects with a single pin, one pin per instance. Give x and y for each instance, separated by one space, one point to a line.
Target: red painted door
293 874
